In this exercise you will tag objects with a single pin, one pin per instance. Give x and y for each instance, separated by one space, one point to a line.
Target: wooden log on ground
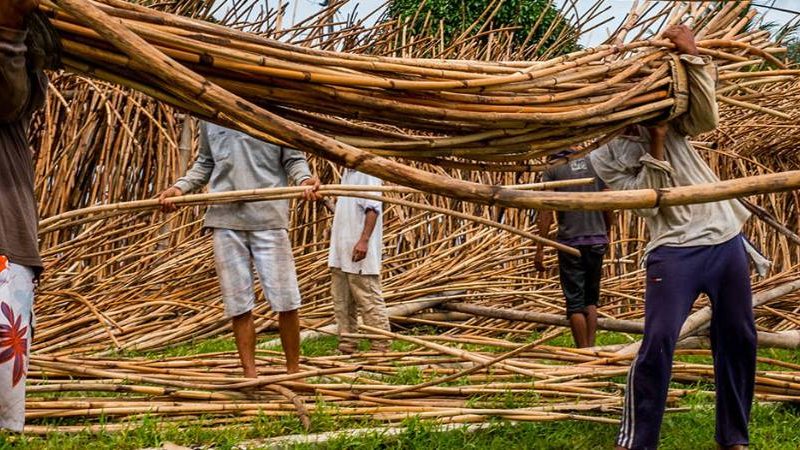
700 318
789 340
405 309
625 326
443 316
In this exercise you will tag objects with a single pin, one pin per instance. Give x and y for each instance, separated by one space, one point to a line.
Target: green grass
507 400
322 346
150 434
187 349
406 375
325 345
402 346
602 338
790 356
773 426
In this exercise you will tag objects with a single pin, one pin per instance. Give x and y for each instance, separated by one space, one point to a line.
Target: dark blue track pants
676 276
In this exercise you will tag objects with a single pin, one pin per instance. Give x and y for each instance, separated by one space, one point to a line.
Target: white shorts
235 254
16 330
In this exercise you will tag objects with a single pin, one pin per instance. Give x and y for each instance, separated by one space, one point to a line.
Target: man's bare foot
294 370
250 391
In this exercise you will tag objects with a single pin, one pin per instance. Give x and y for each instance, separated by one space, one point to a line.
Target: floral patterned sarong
16 327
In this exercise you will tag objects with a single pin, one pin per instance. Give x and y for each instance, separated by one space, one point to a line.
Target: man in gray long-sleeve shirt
253 233
693 249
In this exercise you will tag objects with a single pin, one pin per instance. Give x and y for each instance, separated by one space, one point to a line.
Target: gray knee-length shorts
235 254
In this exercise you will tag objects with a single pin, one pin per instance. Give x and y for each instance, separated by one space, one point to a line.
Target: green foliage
793 51
602 338
402 346
781 354
322 346
506 400
455 16
773 427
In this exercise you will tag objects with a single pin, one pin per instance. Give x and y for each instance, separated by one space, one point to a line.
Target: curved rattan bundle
506 111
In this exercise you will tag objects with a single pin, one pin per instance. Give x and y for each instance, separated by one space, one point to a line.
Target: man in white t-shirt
355 262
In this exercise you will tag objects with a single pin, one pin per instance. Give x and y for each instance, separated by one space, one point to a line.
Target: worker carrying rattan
693 249
586 231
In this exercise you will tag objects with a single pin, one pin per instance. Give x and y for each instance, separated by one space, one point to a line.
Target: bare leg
289 325
577 322
244 330
591 324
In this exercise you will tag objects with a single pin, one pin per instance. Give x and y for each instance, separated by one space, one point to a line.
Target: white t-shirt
348 223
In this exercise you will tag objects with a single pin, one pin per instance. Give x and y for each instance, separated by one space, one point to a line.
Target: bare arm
360 250
658 135
544 219
608 217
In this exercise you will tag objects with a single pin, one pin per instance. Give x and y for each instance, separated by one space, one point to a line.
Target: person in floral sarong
22 89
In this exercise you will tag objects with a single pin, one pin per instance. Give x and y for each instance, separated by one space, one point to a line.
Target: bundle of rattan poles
340 105
492 113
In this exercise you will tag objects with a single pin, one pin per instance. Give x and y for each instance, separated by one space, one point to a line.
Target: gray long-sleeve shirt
625 163
229 160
